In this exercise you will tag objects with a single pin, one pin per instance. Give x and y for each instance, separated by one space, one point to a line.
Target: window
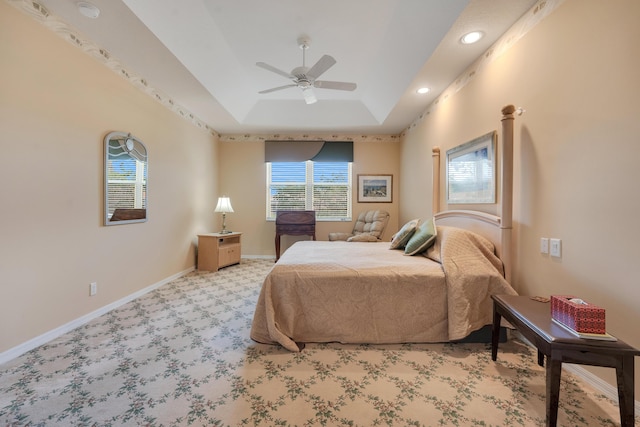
324 187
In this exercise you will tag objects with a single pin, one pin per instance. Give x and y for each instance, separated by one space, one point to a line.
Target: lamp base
224 224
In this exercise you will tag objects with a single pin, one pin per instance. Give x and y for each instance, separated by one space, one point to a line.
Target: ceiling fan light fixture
309 96
471 37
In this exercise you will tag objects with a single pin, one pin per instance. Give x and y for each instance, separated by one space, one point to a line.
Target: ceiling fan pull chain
304 56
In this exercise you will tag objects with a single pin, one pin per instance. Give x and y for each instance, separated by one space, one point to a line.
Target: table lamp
224 206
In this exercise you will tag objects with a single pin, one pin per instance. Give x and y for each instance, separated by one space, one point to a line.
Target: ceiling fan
305 78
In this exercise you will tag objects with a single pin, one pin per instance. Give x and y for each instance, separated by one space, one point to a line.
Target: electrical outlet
93 289
556 247
544 245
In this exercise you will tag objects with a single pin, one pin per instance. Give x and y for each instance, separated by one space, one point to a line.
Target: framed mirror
125 179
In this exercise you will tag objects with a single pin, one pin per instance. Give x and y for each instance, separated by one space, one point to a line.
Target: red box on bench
584 318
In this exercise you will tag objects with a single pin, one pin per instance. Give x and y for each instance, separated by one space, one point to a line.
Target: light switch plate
556 247
544 245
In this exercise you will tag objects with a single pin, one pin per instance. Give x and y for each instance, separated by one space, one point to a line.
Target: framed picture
374 188
471 171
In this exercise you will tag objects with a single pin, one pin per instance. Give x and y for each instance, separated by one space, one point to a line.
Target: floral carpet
181 355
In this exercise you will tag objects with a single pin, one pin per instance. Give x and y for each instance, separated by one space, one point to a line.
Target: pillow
401 238
363 238
422 239
339 236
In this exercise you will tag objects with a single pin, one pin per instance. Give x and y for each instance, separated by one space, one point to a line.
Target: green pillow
401 238
422 239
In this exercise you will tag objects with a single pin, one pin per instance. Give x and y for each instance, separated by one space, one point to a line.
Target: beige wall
576 154
243 178
56 105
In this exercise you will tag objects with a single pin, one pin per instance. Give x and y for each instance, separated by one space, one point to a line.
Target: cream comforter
355 292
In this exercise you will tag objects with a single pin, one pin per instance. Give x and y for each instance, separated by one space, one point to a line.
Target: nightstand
217 250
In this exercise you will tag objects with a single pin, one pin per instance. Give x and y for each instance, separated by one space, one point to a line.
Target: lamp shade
224 205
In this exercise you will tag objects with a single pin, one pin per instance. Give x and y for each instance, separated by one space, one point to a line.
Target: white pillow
400 239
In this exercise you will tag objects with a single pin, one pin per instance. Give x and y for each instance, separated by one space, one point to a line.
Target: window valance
301 151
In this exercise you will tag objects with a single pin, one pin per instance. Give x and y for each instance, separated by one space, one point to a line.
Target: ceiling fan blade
324 84
277 88
309 96
321 66
274 70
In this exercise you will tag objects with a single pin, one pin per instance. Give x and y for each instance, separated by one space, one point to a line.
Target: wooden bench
533 320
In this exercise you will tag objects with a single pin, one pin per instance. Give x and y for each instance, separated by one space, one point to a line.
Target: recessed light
423 90
87 9
471 37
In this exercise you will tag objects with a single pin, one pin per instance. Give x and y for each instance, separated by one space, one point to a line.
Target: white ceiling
202 53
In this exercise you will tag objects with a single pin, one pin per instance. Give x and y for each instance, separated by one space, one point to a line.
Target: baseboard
18 350
591 379
596 382
259 256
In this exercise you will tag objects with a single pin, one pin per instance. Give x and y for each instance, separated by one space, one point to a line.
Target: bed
365 292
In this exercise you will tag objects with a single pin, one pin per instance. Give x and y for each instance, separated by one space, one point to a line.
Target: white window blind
324 187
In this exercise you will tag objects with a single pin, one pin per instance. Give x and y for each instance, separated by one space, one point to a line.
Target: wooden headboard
496 228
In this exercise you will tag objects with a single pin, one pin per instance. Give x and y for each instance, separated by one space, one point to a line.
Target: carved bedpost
435 154
506 192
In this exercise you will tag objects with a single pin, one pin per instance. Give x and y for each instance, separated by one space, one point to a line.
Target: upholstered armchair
368 228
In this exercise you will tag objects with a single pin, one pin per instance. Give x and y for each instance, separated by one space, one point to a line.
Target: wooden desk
533 320
294 223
